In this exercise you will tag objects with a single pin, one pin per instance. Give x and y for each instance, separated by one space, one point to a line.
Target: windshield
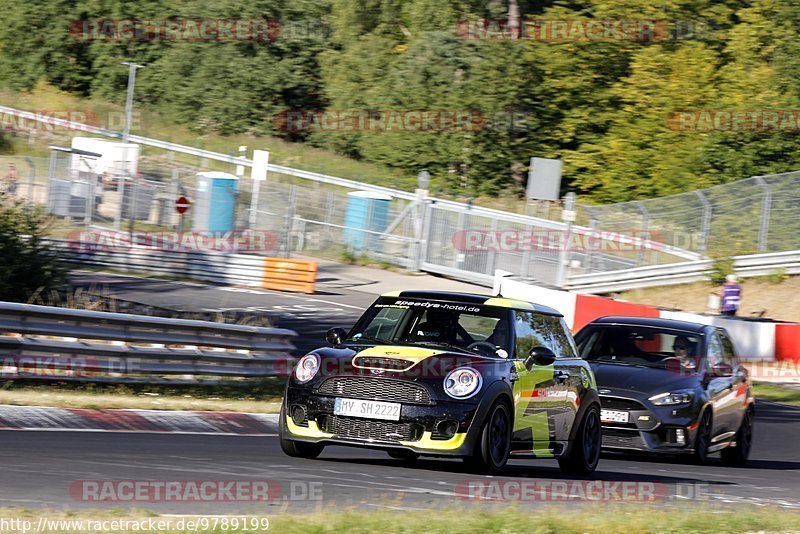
638 345
467 327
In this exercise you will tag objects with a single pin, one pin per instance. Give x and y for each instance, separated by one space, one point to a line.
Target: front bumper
416 430
663 429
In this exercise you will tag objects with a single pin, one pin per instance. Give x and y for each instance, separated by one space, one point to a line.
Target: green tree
27 264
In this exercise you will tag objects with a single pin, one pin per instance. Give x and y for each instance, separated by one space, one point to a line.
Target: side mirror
720 369
335 336
541 356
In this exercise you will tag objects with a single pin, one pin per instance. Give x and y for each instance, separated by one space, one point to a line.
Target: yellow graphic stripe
409 354
392 294
437 444
528 397
312 431
509 303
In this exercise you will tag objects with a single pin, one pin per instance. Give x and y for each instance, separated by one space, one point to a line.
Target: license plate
613 416
389 411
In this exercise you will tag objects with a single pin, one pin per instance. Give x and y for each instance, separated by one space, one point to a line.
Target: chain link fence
755 215
310 218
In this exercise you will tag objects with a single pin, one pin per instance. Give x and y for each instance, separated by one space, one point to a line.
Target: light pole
129 100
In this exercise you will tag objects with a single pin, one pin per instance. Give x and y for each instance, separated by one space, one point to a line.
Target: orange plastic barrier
289 275
590 307
787 342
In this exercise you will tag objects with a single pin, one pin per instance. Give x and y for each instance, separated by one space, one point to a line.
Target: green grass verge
577 519
776 393
261 397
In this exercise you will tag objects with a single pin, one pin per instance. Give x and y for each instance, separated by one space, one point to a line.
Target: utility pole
129 100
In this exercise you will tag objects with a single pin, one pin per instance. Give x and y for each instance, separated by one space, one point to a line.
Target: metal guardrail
49 343
682 273
215 267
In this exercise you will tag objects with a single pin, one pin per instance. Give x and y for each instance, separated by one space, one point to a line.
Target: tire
584 455
744 441
402 454
703 438
494 443
296 449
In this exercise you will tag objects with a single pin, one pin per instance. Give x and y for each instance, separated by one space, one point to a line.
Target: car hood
412 355
645 380
400 360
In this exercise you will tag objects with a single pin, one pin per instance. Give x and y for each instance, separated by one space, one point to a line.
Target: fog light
298 415
447 428
680 437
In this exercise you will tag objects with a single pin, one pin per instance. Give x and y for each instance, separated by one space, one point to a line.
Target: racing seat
499 337
428 331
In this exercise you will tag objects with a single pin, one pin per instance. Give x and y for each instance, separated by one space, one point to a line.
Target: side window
587 346
528 334
715 355
536 330
479 328
728 352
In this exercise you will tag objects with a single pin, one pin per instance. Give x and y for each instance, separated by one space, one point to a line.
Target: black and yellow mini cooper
448 374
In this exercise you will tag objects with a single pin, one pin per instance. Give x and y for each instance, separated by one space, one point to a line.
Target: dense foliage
27 265
601 105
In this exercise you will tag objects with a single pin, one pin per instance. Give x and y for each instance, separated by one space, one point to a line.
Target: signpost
182 205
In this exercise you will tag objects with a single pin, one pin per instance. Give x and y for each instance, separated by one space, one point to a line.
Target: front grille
622 439
375 362
375 389
614 403
367 429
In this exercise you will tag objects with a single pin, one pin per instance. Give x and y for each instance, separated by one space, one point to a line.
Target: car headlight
672 398
462 383
306 368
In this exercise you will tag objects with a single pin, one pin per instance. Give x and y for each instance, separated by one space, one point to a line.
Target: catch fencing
422 233
315 214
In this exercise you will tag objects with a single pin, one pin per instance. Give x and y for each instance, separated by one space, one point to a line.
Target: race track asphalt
37 468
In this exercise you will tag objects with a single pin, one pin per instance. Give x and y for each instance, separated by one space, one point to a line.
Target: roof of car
651 322
474 298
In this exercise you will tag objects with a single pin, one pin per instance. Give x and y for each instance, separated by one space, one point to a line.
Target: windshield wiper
620 362
441 344
370 339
